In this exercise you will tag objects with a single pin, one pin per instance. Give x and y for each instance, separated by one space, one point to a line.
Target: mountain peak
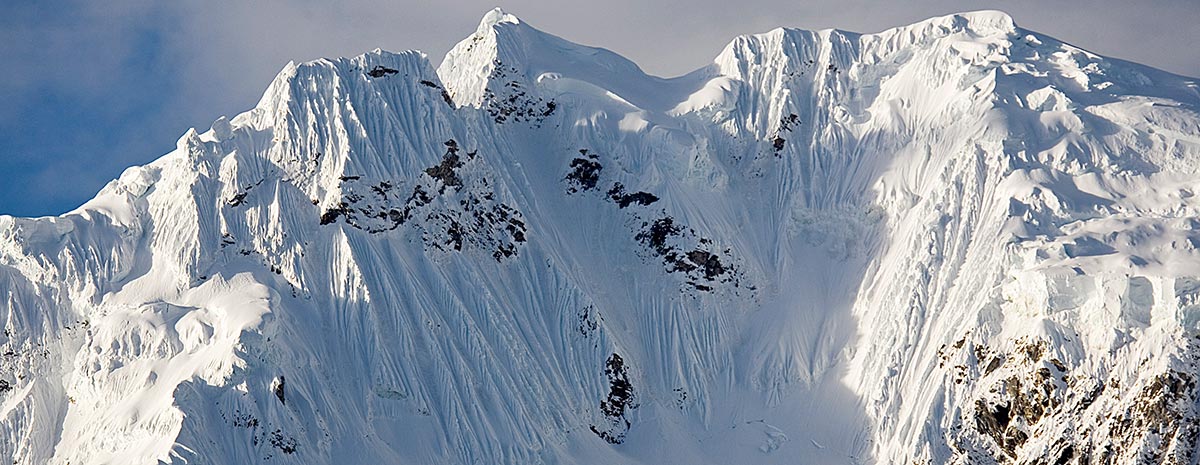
496 16
469 64
510 52
983 23
995 19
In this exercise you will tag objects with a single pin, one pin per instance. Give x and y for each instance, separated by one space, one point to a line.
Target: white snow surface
845 223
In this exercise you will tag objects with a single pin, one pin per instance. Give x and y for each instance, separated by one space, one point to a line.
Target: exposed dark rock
708 262
681 396
696 262
444 171
383 189
279 391
467 216
584 174
1166 408
517 228
237 199
993 421
445 95
619 401
244 420
662 236
655 236
510 102
1065 456
381 71
587 322
788 122
618 195
332 215
1028 393
284 443
620 395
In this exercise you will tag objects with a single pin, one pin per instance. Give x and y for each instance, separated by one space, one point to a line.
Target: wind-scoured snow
958 241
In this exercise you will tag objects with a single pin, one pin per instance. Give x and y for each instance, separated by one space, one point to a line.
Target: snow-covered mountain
958 241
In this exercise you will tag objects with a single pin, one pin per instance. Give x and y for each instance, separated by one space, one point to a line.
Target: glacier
957 241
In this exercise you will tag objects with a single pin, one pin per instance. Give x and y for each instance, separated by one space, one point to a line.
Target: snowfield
957 241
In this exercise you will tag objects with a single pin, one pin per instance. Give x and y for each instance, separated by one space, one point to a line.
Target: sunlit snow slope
952 242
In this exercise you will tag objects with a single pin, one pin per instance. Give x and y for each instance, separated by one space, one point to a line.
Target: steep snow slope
953 242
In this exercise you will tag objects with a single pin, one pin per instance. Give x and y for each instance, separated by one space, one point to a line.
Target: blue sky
89 88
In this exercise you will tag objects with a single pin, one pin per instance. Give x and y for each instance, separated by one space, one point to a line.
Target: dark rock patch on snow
444 171
620 400
623 199
381 71
284 443
445 95
584 173
450 210
278 390
682 253
510 101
